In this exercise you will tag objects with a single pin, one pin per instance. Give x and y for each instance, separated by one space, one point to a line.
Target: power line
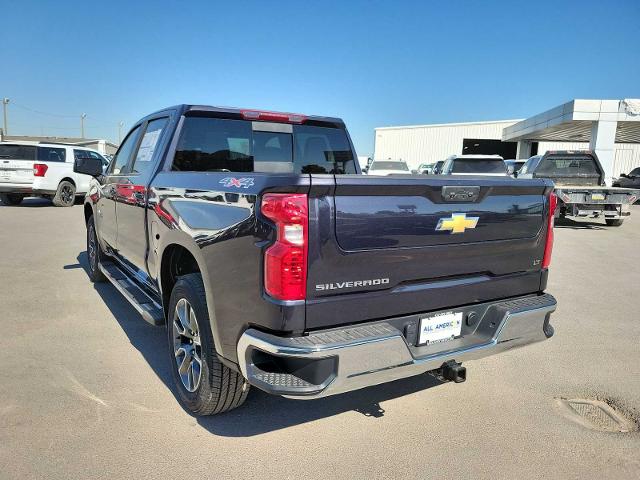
43 113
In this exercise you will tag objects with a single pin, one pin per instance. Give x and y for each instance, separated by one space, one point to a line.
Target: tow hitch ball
453 371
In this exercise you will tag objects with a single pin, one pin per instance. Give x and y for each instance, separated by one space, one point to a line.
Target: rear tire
11 198
93 253
614 222
205 385
65 195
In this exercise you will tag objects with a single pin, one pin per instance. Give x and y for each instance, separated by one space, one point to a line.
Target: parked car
513 166
44 170
388 167
364 162
426 168
437 168
272 264
492 165
580 186
629 180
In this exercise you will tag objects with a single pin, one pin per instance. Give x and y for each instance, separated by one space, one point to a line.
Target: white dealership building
609 127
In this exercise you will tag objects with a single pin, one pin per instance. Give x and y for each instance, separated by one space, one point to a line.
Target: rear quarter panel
222 229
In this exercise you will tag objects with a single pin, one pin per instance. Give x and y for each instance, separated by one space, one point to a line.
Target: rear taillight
39 169
273 116
285 262
548 246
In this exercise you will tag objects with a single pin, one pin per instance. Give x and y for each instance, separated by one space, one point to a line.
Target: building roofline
429 125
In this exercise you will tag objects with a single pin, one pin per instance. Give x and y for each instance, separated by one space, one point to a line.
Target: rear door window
148 145
223 145
51 154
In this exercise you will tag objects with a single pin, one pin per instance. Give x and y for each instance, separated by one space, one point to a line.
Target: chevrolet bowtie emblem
457 223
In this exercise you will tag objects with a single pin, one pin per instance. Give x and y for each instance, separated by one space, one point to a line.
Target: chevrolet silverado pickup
254 238
580 186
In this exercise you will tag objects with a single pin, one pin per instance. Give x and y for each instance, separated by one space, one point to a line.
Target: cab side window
119 166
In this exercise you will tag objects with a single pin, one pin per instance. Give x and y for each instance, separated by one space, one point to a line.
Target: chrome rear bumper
339 360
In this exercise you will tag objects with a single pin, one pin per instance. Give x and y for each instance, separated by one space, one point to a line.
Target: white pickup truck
44 170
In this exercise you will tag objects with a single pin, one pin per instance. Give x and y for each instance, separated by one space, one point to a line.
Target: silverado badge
457 223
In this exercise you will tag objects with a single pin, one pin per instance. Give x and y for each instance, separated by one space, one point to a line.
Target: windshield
568 165
389 165
478 165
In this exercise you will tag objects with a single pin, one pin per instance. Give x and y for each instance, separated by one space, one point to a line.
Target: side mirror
88 166
624 175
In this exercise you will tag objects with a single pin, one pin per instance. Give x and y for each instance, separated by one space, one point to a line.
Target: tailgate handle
460 194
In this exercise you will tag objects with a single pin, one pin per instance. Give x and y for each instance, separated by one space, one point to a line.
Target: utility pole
120 125
5 102
82 117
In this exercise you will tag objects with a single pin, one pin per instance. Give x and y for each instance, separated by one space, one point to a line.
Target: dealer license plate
440 328
597 196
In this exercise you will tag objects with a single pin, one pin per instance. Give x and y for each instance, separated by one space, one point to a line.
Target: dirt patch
597 415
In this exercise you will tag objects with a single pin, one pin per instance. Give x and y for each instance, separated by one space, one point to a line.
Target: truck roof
252 114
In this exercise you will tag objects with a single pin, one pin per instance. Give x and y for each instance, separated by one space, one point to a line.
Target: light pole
120 125
5 102
82 117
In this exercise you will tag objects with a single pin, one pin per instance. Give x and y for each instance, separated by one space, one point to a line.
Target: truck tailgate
391 246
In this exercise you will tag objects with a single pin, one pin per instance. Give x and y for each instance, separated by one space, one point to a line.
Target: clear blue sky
371 63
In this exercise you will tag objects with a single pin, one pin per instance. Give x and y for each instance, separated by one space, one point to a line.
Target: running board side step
145 305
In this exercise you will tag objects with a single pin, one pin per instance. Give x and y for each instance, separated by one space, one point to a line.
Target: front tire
205 385
93 253
11 198
614 222
65 195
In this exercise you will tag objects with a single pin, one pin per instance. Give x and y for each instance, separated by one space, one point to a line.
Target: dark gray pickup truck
253 237
579 185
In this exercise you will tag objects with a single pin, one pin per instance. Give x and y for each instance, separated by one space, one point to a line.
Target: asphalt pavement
85 387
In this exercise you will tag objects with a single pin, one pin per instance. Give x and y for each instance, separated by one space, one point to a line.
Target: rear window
389 165
222 145
51 154
562 165
17 152
478 165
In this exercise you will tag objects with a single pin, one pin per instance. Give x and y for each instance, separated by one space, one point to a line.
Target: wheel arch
68 179
189 259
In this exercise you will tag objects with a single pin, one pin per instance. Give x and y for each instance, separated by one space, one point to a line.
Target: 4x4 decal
244 182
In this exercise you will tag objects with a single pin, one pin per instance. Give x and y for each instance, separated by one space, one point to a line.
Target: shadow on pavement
580 225
31 202
261 412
